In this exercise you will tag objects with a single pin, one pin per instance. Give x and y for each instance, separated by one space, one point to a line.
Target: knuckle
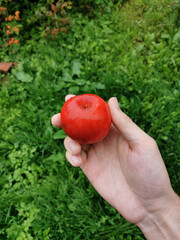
68 156
151 142
66 141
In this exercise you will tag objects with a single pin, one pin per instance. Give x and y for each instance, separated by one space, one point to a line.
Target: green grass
131 52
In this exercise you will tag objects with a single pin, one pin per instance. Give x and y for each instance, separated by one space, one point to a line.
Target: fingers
72 146
74 160
129 130
69 96
56 119
75 154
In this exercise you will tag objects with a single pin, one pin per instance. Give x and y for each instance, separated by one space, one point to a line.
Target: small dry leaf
5 66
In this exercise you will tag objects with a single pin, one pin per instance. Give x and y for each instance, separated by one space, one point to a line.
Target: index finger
56 119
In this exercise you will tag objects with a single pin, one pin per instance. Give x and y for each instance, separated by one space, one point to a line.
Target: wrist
163 220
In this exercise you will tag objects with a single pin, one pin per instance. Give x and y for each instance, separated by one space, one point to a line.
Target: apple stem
85 106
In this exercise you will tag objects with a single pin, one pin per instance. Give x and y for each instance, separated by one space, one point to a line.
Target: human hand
126 168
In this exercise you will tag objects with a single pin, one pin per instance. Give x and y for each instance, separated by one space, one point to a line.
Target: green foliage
131 53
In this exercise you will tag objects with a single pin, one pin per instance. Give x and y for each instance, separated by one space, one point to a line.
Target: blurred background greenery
128 49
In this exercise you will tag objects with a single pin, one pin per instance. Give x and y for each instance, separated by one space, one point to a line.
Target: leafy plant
9 26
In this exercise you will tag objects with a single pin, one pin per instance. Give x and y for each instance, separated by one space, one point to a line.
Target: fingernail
55 120
115 101
74 160
52 120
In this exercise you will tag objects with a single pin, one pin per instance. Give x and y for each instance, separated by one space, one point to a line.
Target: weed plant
131 52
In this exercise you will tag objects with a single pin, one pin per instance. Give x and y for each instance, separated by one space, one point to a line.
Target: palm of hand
124 176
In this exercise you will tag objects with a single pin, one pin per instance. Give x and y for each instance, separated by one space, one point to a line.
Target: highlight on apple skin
86 118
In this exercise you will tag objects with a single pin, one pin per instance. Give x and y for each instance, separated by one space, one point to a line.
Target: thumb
129 130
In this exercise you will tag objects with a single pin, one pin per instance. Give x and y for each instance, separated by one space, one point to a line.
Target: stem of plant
56 20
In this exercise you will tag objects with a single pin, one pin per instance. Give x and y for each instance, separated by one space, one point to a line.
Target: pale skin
127 170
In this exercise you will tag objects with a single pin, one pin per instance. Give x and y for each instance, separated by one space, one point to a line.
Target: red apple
86 118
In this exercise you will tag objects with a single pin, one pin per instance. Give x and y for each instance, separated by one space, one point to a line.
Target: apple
86 118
